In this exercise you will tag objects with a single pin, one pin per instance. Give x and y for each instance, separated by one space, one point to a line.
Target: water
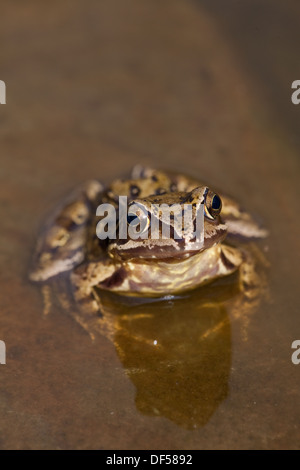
91 92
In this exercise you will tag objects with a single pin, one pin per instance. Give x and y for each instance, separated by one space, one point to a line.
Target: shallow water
91 92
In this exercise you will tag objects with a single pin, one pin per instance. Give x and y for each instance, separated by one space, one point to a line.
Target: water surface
90 92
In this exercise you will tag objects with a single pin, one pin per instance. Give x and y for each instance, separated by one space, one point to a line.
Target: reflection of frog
177 352
142 267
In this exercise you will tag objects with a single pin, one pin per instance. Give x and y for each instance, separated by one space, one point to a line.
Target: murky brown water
90 92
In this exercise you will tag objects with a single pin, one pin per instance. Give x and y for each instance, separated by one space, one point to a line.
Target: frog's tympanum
168 273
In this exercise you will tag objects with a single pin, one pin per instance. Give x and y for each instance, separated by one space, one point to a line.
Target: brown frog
69 247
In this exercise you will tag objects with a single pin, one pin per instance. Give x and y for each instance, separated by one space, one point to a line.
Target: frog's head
165 213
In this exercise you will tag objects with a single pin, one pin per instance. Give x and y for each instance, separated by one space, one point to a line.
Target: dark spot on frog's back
134 190
115 280
160 191
66 222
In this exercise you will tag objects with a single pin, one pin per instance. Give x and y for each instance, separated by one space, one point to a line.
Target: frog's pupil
133 218
216 203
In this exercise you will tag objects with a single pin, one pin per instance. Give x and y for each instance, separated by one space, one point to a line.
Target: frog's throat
144 277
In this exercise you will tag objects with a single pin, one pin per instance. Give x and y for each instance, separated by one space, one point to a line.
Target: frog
69 249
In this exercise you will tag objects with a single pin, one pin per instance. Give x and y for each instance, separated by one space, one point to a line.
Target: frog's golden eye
213 205
138 218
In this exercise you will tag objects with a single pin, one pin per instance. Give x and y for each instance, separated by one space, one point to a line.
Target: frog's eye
213 205
138 218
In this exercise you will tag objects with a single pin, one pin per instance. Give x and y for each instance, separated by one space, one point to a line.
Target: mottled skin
151 268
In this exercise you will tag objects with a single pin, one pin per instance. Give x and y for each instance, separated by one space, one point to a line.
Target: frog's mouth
214 233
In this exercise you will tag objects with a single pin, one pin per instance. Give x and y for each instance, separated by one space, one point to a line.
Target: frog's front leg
253 281
253 286
84 279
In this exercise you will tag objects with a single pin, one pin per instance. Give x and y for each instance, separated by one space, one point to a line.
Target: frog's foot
250 282
47 301
253 282
253 288
54 296
83 281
